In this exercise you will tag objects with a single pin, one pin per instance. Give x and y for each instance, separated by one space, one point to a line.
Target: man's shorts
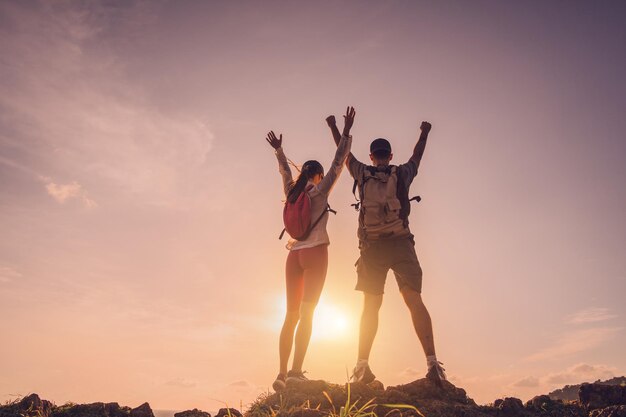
378 257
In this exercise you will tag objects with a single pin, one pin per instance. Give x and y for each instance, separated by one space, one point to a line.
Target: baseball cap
380 144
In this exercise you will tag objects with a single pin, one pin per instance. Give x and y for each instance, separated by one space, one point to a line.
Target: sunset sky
140 204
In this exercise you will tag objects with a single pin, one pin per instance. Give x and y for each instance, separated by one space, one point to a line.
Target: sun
330 322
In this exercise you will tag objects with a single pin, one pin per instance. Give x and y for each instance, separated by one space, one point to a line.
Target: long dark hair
308 171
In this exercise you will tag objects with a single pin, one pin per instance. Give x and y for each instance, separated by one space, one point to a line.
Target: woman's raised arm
283 164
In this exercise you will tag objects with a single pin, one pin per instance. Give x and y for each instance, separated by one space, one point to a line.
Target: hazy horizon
140 204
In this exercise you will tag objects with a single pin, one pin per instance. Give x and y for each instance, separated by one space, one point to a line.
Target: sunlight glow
330 322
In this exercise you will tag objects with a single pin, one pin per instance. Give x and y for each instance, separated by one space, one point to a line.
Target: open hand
425 127
348 120
273 140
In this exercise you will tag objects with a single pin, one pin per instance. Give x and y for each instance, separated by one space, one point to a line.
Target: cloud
243 387
182 383
240 384
71 107
8 274
591 315
409 373
576 341
527 382
581 372
63 192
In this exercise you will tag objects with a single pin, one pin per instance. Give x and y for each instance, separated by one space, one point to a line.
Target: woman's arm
283 164
336 166
330 120
343 150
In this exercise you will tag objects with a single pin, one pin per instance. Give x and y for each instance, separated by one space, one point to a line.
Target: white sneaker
363 374
436 373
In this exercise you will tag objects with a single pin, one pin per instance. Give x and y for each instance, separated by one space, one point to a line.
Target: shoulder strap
356 205
372 171
312 226
405 202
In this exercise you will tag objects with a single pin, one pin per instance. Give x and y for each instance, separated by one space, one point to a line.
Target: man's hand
348 120
331 121
273 140
425 127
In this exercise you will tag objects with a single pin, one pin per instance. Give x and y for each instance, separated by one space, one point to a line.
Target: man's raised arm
418 151
332 123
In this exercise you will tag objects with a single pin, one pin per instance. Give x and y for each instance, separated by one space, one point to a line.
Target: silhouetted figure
386 242
307 261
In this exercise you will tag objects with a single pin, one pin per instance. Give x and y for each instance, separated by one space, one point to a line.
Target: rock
612 411
302 412
143 410
510 406
376 385
424 389
192 413
594 396
36 405
361 390
91 410
540 402
85 410
228 412
29 406
114 410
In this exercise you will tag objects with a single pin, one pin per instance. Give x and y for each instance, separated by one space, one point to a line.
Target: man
385 242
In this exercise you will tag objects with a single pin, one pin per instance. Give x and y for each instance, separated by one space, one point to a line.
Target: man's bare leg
369 323
421 319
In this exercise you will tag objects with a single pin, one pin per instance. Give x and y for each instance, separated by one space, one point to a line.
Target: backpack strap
326 210
405 202
356 205
372 170
312 226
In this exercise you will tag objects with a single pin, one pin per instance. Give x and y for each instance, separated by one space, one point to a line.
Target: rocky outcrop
595 396
29 406
33 406
570 392
192 413
143 410
420 398
509 406
228 412
91 410
312 398
612 411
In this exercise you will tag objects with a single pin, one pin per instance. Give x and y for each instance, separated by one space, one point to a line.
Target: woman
307 261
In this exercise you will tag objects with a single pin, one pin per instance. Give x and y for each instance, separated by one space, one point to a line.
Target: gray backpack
384 204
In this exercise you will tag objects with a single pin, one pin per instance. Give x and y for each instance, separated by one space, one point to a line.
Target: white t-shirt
318 193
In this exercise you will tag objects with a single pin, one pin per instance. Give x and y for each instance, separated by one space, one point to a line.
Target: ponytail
309 170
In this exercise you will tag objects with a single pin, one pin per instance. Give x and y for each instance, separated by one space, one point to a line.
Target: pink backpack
297 217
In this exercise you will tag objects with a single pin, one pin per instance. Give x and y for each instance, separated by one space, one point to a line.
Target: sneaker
295 377
436 373
363 374
279 384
